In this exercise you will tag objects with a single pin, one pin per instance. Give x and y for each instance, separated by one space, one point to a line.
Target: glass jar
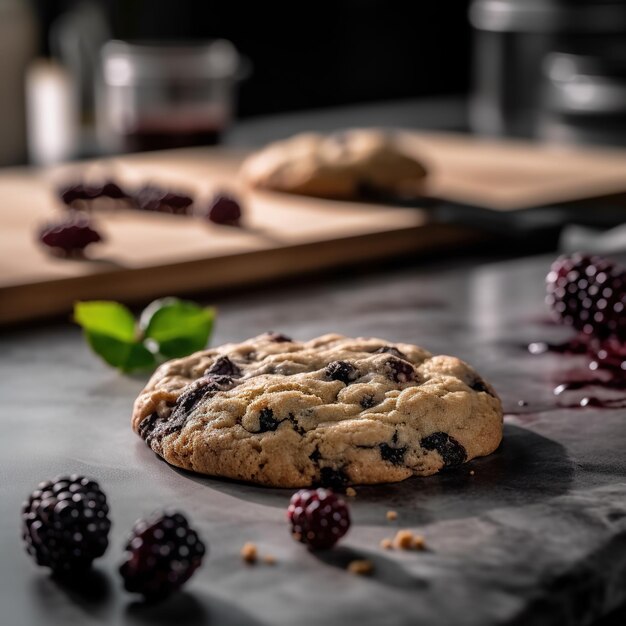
158 96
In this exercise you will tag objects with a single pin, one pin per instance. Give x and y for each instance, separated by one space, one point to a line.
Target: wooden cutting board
148 255
508 175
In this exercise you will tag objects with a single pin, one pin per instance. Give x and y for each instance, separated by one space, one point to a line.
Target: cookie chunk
331 411
351 164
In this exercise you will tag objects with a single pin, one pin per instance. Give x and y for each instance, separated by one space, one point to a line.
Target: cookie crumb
386 543
350 492
392 515
406 540
268 559
418 542
249 552
361 567
472 472
403 540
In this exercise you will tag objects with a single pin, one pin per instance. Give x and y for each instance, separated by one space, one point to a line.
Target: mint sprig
166 329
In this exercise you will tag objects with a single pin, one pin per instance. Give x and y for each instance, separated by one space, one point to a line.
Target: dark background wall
313 54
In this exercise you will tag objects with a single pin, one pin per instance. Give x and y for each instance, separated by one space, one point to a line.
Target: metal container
585 98
512 40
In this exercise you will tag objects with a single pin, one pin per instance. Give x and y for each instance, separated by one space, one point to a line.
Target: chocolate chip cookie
351 164
332 411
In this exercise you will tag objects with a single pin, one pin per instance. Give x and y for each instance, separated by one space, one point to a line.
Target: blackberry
110 189
588 293
80 191
65 523
224 210
318 518
161 554
69 236
153 198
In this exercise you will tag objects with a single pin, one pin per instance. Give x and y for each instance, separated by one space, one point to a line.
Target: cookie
347 165
331 411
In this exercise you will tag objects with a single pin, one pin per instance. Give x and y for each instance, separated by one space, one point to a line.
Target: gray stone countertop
537 535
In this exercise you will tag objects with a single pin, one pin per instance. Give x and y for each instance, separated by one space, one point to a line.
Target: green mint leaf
176 348
178 327
106 318
171 328
126 356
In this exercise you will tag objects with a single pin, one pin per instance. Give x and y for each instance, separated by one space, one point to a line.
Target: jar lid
130 62
549 16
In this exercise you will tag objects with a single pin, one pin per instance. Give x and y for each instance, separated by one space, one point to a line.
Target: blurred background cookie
346 165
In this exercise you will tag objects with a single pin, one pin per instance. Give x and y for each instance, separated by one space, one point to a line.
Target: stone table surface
537 535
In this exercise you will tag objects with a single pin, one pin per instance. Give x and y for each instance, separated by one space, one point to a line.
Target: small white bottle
52 113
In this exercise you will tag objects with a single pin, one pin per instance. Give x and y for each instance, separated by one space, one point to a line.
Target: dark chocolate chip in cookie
451 451
267 421
316 455
399 370
367 402
479 385
223 366
147 425
393 351
187 401
296 426
333 478
343 371
194 392
191 395
393 455
278 337
367 189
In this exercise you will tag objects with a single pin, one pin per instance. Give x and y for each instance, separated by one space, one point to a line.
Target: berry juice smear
608 361
167 132
588 294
